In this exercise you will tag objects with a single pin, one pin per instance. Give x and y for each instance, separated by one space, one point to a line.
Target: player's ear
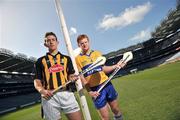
45 42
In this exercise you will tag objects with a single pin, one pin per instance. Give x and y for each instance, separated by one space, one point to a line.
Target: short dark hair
82 36
50 33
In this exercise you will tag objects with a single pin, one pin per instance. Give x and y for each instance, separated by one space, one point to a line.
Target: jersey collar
88 53
53 55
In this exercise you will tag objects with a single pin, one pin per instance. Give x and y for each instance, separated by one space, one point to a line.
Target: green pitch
153 94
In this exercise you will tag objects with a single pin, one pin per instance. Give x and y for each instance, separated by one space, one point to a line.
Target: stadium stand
16 81
164 43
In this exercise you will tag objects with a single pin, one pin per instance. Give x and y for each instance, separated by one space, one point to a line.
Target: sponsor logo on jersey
93 71
56 68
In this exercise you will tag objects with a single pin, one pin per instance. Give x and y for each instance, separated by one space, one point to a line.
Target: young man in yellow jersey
93 79
51 71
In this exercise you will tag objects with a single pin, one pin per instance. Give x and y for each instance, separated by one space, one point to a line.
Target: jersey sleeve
70 68
38 70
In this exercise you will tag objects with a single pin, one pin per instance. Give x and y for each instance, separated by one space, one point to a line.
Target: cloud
72 31
142 35
130 16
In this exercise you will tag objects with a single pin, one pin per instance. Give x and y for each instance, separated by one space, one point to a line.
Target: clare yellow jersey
93 77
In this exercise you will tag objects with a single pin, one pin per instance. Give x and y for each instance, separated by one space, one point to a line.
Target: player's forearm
38 86
87 87
85 83
108 69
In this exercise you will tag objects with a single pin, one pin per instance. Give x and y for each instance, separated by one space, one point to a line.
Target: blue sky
110 24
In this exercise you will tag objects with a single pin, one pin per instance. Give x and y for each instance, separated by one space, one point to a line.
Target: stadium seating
163 44
16 80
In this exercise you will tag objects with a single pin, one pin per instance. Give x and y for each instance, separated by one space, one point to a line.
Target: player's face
52 43
84 44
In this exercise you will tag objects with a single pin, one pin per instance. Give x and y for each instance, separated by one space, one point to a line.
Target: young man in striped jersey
51 71
95 78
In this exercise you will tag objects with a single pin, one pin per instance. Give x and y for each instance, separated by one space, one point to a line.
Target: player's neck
86 51
54 52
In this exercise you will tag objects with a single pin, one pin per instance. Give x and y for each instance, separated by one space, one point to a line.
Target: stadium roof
20 63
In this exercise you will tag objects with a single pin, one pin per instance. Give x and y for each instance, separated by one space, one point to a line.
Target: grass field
153 94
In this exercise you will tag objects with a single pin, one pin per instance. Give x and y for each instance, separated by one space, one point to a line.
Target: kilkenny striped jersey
53 70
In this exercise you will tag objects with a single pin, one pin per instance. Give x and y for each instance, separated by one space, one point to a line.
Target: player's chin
52 48
86 49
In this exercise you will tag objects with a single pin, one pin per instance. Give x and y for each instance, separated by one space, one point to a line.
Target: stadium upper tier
15 62
169 25
167 28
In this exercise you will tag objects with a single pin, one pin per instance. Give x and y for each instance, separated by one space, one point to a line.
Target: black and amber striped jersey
52 70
